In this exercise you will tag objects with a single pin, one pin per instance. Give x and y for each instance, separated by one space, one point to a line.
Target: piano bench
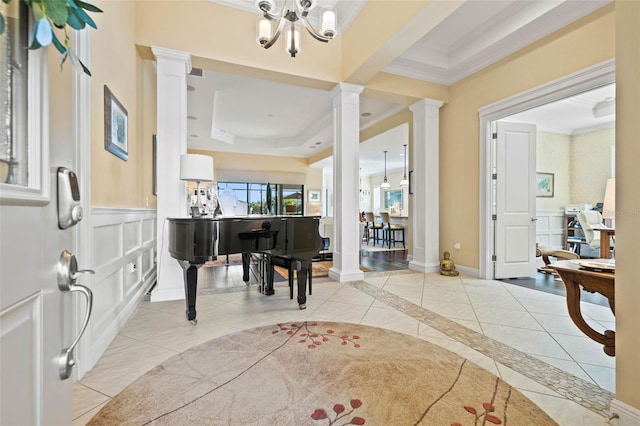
289 264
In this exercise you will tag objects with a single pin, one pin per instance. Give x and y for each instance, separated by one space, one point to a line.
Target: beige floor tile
528 341
566 413
85 399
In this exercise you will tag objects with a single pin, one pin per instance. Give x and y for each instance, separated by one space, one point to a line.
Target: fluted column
346 144
426 205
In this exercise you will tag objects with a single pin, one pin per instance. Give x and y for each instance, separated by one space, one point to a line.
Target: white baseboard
421 267
626 415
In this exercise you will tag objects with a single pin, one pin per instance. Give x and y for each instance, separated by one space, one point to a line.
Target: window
254 197
14 64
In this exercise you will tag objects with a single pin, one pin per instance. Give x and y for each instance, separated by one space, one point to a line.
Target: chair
372 228
590 221
546 252
389 231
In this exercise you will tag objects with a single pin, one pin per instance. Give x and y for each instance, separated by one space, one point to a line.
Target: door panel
515 230
36 320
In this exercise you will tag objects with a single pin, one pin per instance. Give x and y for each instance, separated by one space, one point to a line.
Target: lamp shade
609 205
196 167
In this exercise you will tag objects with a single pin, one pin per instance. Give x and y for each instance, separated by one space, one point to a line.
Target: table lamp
609 205
196 168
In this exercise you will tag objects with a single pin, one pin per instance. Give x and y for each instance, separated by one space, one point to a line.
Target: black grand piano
194 241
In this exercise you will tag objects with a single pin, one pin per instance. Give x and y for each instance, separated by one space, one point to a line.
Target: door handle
67 274
533 219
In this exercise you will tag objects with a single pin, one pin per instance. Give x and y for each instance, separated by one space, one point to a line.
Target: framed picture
314 196
544 184
410 181
115 126
393 199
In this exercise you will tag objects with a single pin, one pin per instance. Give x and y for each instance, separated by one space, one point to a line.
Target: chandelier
385 183
289 17
405 181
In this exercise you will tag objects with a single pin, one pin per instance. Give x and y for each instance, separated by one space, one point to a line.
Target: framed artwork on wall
115 126
314 196
544 184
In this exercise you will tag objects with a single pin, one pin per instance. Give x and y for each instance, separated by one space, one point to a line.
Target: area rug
318 269
319 373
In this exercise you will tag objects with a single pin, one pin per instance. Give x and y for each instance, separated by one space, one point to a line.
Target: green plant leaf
2 25
84 68
43 32
58 45
82 14
34 44
6 1
57 11
89 7
74 21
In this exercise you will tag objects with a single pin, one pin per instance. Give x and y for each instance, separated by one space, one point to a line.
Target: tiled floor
522 335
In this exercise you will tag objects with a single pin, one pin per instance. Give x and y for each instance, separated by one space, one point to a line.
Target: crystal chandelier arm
273 39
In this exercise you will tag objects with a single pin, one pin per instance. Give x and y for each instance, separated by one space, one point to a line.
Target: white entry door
35 315
515 226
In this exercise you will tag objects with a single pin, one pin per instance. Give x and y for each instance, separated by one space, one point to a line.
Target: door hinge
494 135
494 176
494 258
494 217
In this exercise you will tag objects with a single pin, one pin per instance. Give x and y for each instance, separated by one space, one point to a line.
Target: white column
426 204
172 69
346 144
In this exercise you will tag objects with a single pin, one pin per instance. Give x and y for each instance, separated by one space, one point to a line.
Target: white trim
589 78
81 128
36 193
626 414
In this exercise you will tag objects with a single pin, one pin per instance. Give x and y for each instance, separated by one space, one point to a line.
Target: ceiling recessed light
366 114
192 117
190 88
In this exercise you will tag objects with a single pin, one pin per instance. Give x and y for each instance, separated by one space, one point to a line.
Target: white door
515 226
35 315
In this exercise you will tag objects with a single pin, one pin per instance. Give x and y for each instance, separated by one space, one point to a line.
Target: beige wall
115 63
627 202
581 165
587 42
553 156
591 165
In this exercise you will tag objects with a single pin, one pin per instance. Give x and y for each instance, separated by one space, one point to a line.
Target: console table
573 278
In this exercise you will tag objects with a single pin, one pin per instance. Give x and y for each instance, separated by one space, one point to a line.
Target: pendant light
405 181
385 184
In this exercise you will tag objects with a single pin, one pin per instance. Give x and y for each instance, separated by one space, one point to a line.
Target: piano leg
246 261
190 286
303 268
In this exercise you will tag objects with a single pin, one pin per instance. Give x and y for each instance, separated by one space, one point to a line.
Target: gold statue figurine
447 267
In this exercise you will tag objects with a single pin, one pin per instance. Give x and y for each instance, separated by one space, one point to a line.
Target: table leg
608 339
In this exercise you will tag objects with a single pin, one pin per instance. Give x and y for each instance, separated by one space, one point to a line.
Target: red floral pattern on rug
312 338
340 413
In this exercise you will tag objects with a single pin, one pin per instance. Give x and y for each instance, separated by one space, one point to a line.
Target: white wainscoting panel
550 228
123 257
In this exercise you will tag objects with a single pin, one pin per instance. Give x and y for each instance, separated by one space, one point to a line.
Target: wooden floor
397 260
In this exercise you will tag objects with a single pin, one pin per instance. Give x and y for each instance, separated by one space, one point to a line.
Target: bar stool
373 229
389 231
